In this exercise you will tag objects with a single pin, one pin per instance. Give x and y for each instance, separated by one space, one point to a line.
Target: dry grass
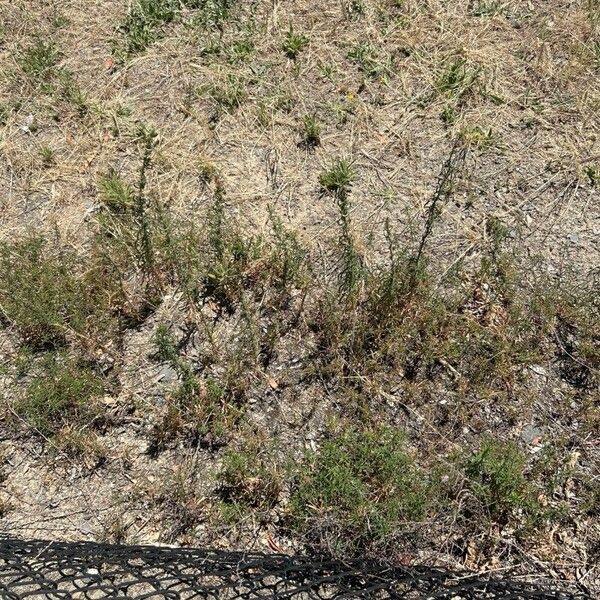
287 266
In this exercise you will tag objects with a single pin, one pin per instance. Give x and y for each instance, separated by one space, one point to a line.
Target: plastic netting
86 570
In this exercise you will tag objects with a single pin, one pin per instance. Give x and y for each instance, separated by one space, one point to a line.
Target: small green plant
199 409
487 8
365 56
147 137
449 115
73 93
47 155
311 131
351 272
40 295
227 97
207 171
592 172
168 351
337 180
240 50
37 60
211 13
116 194
327 71
456 78
480 138
338 176
61 394
358 487
288 261
143 24
496 477
250 477
230 255
294 43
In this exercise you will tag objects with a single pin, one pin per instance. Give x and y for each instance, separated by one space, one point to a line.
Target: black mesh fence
87 570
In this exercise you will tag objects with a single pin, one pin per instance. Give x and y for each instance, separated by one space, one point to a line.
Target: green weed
47 155
227 97
449 114
294 43
366 57
496 477
207 171
359 488
311 131
73 93
143 24
116 194
592 172
487 8
250 477
479 138
38 60
239 50
212 13
456 78
61 394
40 294
288 265
199 410
351 272
338 176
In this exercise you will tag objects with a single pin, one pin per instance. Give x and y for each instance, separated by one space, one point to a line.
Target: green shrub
61 394
496 478
361 485
40 294
250 477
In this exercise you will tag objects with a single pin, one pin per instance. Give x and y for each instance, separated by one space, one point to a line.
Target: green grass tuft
294 43
360 485
338 177
496 477
61 394
40 58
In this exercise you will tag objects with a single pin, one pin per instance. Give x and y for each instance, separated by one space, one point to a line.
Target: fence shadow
61 571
